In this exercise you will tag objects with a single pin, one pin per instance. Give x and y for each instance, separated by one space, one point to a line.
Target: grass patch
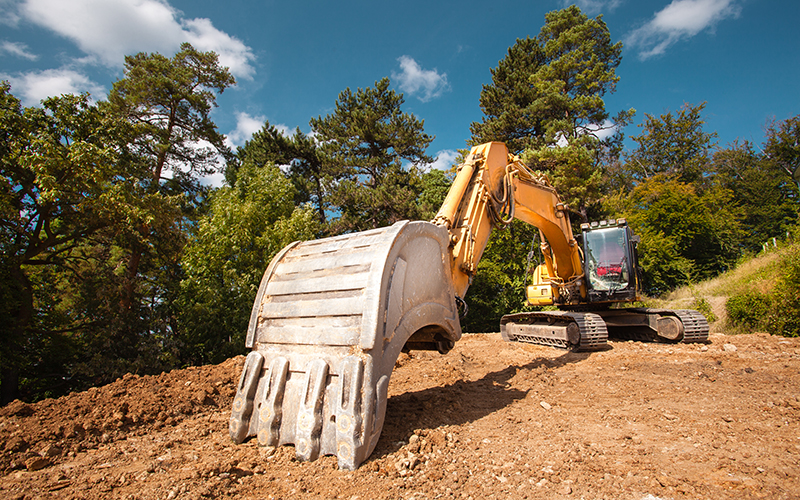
761 293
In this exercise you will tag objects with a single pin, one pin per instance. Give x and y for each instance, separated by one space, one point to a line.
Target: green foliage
67 188
434 187
499 286
580 68
676 146
776 310
552 86
508 103
546 100
748 308
246 226
685 236
168 103
765 193
300 152
94 201
702 305
573 171
785 319
782 148
363 144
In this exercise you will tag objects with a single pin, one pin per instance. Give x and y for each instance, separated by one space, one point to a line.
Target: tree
546 102
64 186
435 185
167 103
766 194
580 70
300 153
676 146
247 224
363 144
551 87
511 115
686 234
782 147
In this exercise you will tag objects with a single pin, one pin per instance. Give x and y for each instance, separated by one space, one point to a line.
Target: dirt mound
488 420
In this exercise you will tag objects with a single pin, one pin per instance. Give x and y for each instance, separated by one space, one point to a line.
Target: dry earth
488 420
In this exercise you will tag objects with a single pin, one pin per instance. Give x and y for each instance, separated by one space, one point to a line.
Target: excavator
331 316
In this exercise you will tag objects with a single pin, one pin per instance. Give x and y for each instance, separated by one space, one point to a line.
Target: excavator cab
610 263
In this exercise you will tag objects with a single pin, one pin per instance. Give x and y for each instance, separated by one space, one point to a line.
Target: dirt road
487 420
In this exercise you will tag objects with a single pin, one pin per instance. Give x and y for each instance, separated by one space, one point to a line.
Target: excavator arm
493 187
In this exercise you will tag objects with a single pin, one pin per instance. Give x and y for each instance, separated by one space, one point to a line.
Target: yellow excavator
332 315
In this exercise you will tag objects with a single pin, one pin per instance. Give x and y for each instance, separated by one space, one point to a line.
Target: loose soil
488 420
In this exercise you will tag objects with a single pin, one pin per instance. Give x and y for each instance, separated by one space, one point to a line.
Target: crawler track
578 331
694 325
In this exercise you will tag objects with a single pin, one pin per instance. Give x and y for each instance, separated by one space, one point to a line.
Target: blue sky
293 58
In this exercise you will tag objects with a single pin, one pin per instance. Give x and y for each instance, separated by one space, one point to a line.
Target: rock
546 405
36 463
16 444
50 450
203 398
564 489
729 348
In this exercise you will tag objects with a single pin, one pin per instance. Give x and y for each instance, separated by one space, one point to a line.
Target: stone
36 463
16 444
729 348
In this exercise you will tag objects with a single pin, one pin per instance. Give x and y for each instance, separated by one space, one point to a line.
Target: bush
701 305
785 318
778 311
748 309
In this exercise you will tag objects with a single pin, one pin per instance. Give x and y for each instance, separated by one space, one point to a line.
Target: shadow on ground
458 403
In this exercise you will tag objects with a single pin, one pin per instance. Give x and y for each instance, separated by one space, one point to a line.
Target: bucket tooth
348 412
245 392
309 415
269 416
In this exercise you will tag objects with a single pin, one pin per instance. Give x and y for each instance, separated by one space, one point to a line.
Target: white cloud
107 30
425 84
604 131
679 20
35 86
445 159
232 52
247 125
8 12
17 49
593 7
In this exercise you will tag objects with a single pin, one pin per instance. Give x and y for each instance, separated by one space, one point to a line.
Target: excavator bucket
329 321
